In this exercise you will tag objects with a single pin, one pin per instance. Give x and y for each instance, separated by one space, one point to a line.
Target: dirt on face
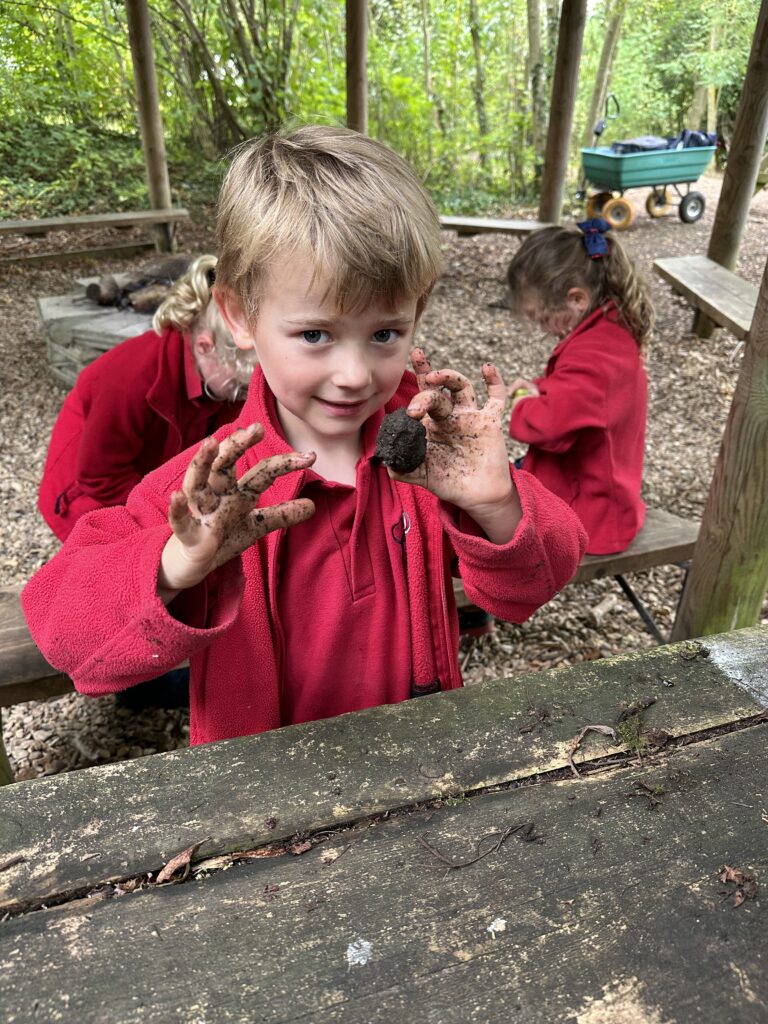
401 442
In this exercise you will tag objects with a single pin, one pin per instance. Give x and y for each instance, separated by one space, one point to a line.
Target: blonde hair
339 198
189 307
553 260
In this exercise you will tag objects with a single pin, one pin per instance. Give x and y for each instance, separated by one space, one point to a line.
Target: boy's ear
578 299
233 316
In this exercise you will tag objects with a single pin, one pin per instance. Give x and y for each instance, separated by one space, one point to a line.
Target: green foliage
59 169
231 70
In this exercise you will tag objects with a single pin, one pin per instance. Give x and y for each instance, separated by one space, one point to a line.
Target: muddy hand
215 516
466 462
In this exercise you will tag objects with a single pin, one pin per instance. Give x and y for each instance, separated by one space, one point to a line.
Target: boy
300 577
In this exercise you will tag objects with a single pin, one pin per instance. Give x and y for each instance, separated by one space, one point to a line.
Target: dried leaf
181 863
746 886
604 730
298 848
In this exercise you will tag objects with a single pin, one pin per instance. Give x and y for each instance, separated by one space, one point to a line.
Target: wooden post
573 18
150 122
729 573
741 170
6 772
357 65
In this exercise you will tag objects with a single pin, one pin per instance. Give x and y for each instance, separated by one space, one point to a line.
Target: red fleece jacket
587 430
94 611
131 410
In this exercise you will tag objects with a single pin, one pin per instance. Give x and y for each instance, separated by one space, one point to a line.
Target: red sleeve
93 609
572 399
114 435
511 581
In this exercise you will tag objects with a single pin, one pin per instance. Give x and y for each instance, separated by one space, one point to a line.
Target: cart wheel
692 207
596 203
657 204
619 213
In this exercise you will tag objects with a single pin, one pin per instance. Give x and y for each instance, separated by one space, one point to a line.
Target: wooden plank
725 298
616 914
72 830
480 225
79 222
120 249
665 539
24 672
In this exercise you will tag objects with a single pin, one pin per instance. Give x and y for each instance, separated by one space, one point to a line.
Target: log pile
142 290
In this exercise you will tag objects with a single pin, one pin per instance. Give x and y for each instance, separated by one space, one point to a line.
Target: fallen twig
12 861
524 828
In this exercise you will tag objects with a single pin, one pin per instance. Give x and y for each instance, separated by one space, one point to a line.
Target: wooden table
594 899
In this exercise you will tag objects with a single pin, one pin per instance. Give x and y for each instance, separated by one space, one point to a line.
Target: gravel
691 386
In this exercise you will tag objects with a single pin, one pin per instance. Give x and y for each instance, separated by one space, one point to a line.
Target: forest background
461 88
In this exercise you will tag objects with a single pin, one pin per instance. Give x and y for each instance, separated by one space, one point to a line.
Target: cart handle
610 99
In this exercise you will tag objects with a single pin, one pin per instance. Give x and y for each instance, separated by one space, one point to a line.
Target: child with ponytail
143 402
584 419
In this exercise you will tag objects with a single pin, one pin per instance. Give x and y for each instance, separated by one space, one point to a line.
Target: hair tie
594 236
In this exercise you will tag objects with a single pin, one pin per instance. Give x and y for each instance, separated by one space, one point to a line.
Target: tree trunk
357 65
536 79
729 573
741 170
615 17
698 108
150 121
564 85
478 88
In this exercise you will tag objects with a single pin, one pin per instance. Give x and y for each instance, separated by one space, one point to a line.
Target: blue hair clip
594 236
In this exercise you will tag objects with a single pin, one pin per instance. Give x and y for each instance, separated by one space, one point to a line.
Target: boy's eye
385 335
314 337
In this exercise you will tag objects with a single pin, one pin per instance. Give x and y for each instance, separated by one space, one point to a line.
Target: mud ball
401 443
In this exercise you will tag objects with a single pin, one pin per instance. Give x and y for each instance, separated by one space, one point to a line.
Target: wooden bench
665 539
720 294
164 220
484 225
24 672
469 856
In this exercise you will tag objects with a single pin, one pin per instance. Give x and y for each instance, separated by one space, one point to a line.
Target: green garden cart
664 170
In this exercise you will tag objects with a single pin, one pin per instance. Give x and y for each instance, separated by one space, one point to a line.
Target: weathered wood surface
72 832
725 298
79 222
616 914
665 539
729 574
24 672
482 225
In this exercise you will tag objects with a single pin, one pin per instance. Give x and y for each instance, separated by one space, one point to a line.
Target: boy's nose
352 370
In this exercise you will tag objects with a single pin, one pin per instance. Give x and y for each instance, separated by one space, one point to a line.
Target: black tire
692 207
596 203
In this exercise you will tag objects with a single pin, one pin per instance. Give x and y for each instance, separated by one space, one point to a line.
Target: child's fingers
199 469
233 447
497 392
279 517
178 514
261 476
435 403
460 386
421 366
